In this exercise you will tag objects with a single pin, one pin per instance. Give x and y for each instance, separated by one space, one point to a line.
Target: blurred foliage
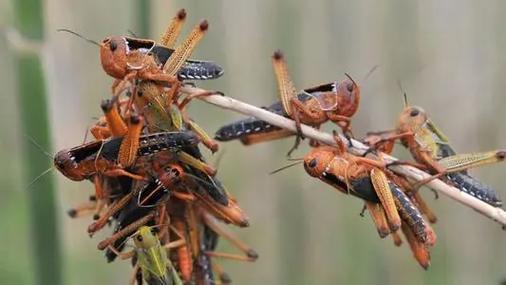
448 56
45 241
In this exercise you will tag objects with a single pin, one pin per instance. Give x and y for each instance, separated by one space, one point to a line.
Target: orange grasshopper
336 102
126 58
156 102
113 125
368 179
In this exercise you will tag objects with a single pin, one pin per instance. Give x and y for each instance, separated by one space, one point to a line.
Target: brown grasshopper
369 180
336 102
126 58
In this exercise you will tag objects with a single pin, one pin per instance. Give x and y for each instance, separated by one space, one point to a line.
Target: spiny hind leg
380 183
173 30
130 144
185 49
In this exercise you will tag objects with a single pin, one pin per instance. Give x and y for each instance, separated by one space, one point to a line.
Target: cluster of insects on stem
152 182
150 178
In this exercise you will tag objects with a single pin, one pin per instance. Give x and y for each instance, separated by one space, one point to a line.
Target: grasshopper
84 161
336 102
126 58
156 103
114 125
168 176
161 113
369 180
151 256
98 161
190 184
431 150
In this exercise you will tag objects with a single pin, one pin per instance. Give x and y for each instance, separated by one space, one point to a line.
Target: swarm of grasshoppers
152 183
150 178
392 200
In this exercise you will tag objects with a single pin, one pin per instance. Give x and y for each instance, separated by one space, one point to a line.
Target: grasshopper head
66 164
412 119
317 160
171 175
348 96
113 55
145 237
349 88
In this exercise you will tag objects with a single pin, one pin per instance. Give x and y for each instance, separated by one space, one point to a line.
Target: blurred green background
449 56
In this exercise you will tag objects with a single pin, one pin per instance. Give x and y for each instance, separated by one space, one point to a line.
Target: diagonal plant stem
496 214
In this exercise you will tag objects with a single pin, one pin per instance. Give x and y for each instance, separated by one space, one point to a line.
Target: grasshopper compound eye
501 155
414 113
349 87
113 45
59 164
312 163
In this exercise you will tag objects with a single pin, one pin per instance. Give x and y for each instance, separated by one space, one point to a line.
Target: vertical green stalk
143 17
34 122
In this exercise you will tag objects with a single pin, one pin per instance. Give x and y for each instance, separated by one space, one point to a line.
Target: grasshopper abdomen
409 213
475 188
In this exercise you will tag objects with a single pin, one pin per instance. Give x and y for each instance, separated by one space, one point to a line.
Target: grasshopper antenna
38 146
78 35
399 84
349 77
371 71
295 159
132 33
285 167
39 177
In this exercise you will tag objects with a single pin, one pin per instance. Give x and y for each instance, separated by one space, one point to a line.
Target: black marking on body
409 213
172 141
127 215
361 187
243 128
208 242
152 143
155 188
249 126
211 185
200 70
475 188
82 152
444 150
192 69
